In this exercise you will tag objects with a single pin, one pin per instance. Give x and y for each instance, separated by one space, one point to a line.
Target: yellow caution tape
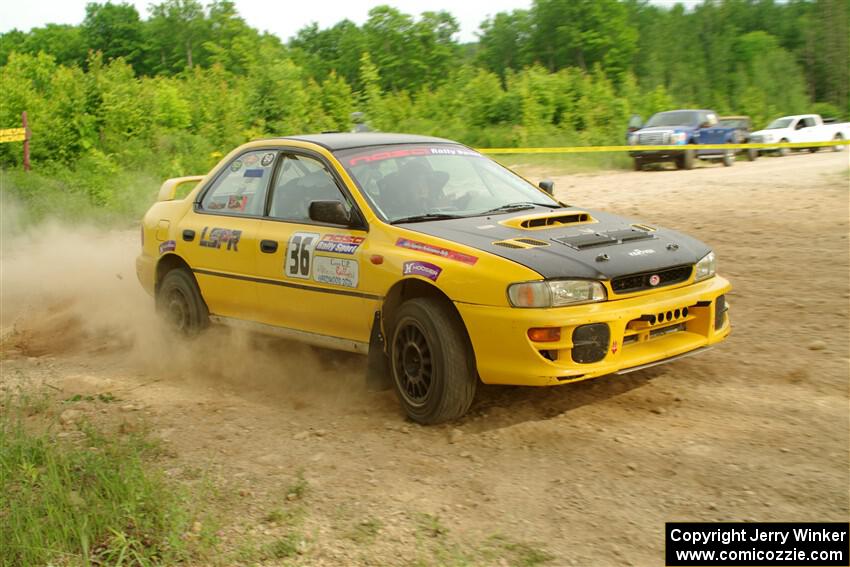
682 147
13 135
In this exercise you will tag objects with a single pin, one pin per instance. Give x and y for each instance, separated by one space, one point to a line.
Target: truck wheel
729 158
432 362
783 152
838 138
752 154
638 163
179 301
686 160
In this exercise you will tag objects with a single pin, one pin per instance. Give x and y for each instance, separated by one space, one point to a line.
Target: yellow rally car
441 265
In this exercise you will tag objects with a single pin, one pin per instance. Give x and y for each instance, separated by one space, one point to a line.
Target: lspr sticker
336 271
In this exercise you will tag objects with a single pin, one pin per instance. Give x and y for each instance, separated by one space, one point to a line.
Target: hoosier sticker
424 269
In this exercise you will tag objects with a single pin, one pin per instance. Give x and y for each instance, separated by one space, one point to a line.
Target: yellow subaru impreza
442 266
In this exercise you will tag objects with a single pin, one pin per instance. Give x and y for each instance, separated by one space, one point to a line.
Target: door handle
188 235
268 246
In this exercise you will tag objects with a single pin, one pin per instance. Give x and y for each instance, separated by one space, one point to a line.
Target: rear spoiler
169 188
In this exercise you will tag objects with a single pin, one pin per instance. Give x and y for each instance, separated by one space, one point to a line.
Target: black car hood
603 246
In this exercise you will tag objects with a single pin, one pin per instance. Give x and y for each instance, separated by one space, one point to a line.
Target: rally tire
431 361
179 302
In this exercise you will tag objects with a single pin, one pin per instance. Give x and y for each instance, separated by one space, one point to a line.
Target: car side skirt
315 339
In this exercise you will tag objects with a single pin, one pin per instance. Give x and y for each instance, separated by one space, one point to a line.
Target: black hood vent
583 241
570 218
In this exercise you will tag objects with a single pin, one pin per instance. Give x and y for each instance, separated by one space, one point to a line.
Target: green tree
115 30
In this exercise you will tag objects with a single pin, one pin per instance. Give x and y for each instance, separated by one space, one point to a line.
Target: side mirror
547 185
705 124
330 212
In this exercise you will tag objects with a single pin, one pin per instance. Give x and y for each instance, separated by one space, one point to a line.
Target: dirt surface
584 474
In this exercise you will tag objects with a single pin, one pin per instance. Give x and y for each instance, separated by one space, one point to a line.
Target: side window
241 189
300 180
809 122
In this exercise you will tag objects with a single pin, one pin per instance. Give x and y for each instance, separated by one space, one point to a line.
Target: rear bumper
505 355
146 272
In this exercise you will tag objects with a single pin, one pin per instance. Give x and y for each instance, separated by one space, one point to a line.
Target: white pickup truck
802 128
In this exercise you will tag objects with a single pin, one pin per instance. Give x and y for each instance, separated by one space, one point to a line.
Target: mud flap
377 363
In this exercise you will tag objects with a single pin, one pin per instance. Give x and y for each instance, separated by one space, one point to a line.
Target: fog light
719 312
545 334
590 342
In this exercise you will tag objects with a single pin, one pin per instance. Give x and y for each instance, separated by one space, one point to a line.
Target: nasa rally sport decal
336 271
339 243
299 255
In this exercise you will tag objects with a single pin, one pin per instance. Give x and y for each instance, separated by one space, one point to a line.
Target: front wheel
432 362
179 301
729 158
752 154
638 164
783 152
839 147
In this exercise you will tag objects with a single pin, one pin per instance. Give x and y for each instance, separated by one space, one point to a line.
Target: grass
97 501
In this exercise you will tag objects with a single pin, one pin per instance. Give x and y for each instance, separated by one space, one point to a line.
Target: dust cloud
73 290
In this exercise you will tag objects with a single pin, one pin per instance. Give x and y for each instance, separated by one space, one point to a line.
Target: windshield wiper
512 207
426 217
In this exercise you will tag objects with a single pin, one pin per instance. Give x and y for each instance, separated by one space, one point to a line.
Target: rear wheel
638 164
432 362
752 154
179 301
838 138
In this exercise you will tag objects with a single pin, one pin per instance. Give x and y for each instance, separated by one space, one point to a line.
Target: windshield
674 118
436 181
779 123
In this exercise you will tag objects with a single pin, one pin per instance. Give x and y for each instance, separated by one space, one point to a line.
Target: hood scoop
548 220
592 240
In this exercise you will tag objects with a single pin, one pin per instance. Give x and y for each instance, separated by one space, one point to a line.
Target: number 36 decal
299 254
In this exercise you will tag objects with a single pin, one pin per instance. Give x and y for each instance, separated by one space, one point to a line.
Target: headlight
555 293
678 138
633 139
706 267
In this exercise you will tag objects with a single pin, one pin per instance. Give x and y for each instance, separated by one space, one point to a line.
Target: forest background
122 101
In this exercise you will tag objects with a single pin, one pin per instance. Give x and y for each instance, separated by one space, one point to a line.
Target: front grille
590 342
639 282
654 138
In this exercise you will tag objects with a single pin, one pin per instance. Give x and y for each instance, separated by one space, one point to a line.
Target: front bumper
505 355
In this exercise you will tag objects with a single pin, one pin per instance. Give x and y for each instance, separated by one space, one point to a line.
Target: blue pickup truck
680 127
